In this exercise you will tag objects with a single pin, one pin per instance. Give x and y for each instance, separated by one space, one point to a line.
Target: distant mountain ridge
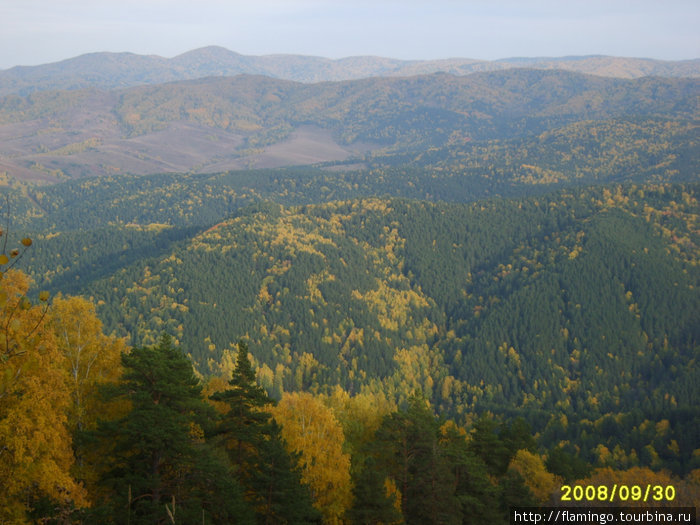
118 70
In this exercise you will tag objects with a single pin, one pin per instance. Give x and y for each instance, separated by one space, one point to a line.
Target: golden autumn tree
91 360
310 428
91 357
35 443
531 467
360 415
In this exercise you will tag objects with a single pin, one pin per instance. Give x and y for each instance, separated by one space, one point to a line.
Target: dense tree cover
577 310
143 442
427 361
156 462
168 456
86 440
47 372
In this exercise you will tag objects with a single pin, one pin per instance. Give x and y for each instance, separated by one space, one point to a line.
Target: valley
501 266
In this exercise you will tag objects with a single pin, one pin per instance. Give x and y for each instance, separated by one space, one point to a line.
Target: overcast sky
40 31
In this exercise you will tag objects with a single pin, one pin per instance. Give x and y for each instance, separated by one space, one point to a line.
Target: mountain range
118 70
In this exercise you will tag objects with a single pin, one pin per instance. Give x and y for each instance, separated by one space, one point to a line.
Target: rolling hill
224 123
579 303
519 242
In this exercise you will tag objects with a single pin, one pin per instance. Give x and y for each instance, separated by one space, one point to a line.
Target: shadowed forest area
482 293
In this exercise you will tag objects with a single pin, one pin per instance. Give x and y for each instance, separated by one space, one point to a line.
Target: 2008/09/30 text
621 493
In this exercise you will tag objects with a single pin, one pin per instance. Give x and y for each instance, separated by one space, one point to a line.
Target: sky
36 32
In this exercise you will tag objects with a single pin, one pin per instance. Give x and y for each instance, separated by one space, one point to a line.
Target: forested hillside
389 300
581 303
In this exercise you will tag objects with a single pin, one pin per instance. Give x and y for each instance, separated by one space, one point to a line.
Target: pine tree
281 496
254 444
245 421
487 445
477 494
413 456
159 456
371 503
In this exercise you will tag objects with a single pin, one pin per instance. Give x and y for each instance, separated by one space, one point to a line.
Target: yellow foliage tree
530 466
310 428
92 358
359 415
35 443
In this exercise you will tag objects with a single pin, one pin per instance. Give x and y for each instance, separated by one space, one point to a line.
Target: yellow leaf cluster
310 427
531 467
35 443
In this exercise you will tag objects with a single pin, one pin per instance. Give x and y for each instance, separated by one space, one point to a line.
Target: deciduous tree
35 443
310 428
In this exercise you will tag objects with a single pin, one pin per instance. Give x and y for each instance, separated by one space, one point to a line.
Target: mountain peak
211 52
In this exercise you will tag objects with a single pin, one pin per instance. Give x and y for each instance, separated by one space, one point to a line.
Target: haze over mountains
118 70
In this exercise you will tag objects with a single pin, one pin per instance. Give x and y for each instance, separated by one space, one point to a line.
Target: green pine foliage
520 257
256 450
158 462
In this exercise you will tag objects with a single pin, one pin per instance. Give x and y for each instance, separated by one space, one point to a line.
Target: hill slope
613 268
218 124
580 303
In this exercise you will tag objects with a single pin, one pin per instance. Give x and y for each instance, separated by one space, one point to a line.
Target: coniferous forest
495 301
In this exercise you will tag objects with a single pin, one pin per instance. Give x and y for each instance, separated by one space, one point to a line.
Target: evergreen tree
371 503
256 450
409 444
246 420
567 465
281 497
517 436
477 494
159 463
487 445
514 493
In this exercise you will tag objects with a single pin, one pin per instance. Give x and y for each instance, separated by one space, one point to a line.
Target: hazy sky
40 31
